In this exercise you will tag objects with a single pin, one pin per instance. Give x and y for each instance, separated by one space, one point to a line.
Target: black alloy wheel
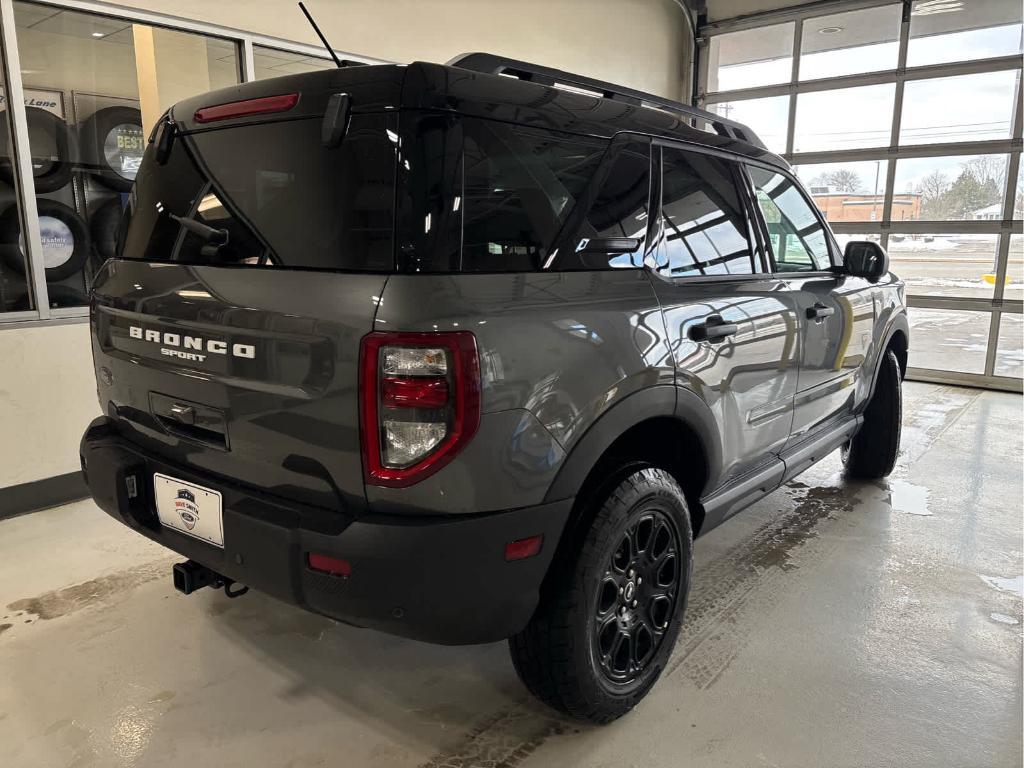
637 597
612 605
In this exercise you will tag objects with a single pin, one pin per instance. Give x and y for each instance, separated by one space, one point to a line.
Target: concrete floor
830 625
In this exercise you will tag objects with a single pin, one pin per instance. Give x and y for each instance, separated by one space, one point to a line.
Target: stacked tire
64 234
109 147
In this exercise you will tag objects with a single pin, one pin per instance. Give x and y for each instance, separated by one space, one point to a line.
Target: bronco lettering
213 346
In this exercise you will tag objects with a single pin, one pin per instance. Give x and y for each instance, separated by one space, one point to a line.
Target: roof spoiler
492 64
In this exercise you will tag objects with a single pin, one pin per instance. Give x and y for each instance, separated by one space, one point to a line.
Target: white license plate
188 508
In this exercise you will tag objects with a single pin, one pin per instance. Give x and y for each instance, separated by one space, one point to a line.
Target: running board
809 452
740 494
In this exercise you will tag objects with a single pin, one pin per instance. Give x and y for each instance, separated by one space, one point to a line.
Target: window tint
237 246
148 232
703 218
519 186
278 194
798 241
618 210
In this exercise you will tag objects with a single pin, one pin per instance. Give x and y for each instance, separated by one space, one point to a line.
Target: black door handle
713 329
819 311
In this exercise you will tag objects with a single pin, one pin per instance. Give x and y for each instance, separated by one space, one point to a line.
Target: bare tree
840 180
933 189
933 186
985 167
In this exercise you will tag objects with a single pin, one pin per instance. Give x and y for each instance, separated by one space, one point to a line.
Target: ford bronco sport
472 352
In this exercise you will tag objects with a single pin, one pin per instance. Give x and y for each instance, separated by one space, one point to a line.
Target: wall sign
51 101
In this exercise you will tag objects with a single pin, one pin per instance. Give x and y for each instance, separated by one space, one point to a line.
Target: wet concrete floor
832 624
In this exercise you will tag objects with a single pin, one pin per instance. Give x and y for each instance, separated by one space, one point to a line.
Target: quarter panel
511 462
562 347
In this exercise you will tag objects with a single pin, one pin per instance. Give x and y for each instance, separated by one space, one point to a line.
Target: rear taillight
419 403
261 106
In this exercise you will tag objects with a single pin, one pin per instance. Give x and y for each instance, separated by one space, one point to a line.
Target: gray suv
473 352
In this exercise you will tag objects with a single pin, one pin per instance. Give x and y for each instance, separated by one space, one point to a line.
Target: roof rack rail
499 65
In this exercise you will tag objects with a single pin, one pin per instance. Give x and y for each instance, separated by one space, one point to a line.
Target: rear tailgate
266 361
252 255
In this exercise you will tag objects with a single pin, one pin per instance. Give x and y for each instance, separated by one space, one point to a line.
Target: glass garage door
904 121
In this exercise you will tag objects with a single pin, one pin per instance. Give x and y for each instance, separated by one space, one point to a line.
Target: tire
872 452
65 239
112 166
568 655
103 226
51 169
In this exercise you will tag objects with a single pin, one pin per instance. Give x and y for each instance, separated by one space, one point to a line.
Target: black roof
423 85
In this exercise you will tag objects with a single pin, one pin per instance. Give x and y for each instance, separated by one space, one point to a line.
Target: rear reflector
261 106
334 566
523 548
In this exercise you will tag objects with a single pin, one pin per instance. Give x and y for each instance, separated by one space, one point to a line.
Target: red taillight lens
413 392
262 106
419 403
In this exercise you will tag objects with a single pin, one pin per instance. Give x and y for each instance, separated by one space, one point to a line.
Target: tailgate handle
186 414
192 420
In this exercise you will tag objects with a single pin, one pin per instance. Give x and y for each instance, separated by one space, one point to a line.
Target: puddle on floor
909 498
1014 585
1002 618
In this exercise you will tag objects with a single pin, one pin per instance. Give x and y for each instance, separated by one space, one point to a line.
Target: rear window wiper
214 238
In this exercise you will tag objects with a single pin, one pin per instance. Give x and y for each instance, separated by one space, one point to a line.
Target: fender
658 401
899 322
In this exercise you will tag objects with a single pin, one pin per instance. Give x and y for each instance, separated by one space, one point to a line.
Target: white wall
640 43
47 397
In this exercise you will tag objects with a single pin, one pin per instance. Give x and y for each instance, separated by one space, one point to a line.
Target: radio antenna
302 7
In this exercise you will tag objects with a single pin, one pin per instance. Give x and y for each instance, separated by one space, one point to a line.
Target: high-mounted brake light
419 403
261 106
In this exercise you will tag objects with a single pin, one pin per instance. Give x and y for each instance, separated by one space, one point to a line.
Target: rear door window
703 217
274 194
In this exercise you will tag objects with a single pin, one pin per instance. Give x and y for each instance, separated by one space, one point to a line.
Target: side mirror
863 258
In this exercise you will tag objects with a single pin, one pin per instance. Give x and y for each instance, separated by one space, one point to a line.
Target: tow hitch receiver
190 576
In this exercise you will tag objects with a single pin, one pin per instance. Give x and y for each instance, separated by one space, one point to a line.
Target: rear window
270 194
486 196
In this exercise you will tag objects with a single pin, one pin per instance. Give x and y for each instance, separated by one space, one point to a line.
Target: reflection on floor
833 624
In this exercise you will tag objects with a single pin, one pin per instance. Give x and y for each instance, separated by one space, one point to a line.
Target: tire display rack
83 165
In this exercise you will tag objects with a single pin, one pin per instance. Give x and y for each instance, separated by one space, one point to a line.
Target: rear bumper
437 579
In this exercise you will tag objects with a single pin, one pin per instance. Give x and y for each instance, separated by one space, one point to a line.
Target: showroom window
92 86
903 121
273 62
